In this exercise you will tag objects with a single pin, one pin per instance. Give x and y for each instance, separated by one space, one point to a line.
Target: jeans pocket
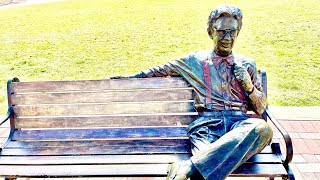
204 121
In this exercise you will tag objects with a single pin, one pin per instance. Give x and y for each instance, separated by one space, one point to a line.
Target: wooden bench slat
264 158
254 170
97 85
93 159
106 133
108 108
90 143
81 135
82 170
114 143
260 170
116 149
102 97
115 159
95 150
105 121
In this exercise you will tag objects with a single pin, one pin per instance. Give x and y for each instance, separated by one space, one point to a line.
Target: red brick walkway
303 125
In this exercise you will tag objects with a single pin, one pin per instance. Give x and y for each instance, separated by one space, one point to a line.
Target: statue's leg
203 132
245 139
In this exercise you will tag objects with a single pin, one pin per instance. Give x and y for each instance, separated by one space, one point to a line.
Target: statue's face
224 35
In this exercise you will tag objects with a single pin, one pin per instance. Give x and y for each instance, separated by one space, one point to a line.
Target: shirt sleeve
257 99
172 68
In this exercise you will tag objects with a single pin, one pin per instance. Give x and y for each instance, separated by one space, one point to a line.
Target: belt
220 113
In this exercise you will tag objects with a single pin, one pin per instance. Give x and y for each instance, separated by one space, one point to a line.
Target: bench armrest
6 117
10 110
285 134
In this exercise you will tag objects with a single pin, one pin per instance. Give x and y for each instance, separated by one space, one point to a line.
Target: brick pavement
303 126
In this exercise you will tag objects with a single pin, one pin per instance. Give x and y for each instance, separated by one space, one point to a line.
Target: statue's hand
118 77
243 78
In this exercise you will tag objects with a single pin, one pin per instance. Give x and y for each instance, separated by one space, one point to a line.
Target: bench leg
291 177
10 178
290 174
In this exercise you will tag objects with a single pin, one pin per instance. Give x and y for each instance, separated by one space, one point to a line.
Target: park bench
110 128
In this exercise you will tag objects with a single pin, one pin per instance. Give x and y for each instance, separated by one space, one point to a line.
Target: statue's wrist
248 93
138 75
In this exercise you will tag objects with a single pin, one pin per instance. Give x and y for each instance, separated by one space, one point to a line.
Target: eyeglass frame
227 31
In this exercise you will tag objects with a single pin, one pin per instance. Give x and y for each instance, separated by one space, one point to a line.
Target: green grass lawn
96 39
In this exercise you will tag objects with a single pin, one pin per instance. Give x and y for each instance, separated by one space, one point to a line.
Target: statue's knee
264 130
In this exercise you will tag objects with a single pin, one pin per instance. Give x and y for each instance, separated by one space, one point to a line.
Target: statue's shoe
173 170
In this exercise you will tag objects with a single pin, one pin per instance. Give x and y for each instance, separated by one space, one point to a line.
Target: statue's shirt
226 92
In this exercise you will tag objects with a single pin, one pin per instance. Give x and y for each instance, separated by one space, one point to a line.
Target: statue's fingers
238 77
117 77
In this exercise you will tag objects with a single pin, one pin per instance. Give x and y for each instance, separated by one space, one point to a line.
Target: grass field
96 39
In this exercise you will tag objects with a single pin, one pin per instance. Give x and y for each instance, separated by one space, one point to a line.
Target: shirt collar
216 59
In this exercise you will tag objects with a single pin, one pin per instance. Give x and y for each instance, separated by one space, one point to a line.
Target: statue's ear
238 32
209 29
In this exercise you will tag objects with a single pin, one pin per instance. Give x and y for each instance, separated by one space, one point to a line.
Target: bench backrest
102 103
157 108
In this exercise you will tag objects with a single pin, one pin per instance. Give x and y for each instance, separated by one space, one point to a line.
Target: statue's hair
224 10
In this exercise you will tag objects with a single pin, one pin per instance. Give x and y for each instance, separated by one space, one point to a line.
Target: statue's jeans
221 144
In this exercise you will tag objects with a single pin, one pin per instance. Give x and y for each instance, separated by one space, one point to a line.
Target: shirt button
224 86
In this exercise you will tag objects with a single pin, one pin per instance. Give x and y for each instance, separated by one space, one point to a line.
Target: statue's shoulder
243 60
199 55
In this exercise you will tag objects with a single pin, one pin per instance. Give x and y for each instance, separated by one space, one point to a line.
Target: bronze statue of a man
226 85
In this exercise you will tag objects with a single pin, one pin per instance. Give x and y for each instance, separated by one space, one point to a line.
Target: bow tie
218 59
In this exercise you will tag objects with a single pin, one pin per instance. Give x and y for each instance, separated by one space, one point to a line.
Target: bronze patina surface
226 86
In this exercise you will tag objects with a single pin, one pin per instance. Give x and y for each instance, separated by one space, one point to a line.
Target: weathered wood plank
106 133
102 97
81 170
91 143
97 85
265 156
116 159
96 150
105 121
108 108
260 170
93 159
253 170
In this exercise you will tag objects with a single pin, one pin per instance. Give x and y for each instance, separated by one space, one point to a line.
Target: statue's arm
167 69
256 97
172 68
258 100
248 78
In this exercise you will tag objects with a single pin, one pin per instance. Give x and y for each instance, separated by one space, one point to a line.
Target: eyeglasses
223 33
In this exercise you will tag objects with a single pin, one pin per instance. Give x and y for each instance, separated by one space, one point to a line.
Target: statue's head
224 24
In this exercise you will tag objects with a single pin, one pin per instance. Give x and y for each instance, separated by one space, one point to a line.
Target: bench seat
110 156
